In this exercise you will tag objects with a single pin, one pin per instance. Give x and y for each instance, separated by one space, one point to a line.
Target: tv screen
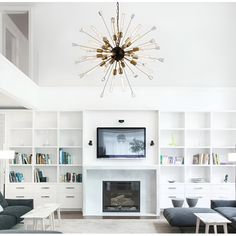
121 142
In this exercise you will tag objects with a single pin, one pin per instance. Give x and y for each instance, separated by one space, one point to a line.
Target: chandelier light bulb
119 53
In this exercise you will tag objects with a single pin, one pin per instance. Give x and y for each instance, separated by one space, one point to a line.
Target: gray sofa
227 208
13 209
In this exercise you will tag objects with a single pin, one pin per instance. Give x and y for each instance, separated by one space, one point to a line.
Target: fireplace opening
121 196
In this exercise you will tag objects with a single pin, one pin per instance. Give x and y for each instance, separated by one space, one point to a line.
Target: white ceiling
197 41
7 103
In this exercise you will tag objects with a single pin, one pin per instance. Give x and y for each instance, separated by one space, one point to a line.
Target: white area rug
113 226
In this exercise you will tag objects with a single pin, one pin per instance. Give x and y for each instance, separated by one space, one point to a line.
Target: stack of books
72 178
215 159
201 159
64 157
171 160
38 176
22 158
16 177
42 158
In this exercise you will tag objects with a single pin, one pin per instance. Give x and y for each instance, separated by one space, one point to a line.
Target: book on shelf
71 178
15 177
215 159
22 158
65 157
38 176
171 160
43 158
201 159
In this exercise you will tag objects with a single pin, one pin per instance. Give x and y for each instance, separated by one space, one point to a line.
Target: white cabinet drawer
197 189
19 189
221 188
71 200
46 189
171 189
71 189
44 199
166 200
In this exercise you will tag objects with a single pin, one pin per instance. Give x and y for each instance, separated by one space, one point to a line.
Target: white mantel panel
94 180
94 119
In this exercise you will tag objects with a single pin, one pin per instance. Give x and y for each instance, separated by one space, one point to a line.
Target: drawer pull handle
45 196
20 187
199 197
172 188
45 187
172 196
20 196
198 188
70 187
70 196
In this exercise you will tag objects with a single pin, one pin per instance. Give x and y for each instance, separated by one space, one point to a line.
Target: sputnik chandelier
120 52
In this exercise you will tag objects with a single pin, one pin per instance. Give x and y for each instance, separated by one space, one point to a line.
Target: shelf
45 147
26 128
70 165
45 165
151 167
192 165
20 165
223 129
198 129
198 147
224 165
170 129
20 146
70 128
172 165
45 129
70 147
172 147
224 147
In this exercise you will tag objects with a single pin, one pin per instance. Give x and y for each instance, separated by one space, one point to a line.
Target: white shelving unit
185 134
46 132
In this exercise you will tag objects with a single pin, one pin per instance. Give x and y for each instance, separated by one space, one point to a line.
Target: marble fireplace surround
93 189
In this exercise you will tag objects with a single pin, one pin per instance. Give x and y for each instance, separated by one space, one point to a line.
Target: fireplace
121 196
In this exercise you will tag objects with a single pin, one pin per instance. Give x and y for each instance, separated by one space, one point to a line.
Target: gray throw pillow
3 201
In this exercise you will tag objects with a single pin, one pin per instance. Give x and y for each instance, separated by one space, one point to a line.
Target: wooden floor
78 215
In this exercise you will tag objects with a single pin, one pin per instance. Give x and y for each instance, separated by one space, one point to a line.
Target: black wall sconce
152 143
121 121
90 143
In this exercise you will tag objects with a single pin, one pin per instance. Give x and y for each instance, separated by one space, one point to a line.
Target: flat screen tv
121 142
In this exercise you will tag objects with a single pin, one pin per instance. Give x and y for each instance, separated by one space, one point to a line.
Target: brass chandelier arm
109 74
91 36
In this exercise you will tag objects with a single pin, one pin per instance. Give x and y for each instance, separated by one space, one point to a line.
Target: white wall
94 119
197 41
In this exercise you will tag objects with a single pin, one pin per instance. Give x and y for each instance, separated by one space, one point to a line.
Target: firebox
121 196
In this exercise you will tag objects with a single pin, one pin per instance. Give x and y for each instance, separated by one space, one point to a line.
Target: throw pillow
1 209
3 201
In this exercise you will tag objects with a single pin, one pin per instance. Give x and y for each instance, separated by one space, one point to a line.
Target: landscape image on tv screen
121 142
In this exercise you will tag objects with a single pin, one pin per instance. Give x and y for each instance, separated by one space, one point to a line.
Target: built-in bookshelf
203 140
39 139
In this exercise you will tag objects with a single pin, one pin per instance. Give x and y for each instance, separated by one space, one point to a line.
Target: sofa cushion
7 221
228 212
3 201
16 211
184 217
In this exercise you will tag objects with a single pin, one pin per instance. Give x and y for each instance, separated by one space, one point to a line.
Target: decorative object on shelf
177 202
171 181
38 176
90 143
119 52
198 180
69 177
4 156
152 143
216 159
121 121
16 177
192 201
173 140
226 178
